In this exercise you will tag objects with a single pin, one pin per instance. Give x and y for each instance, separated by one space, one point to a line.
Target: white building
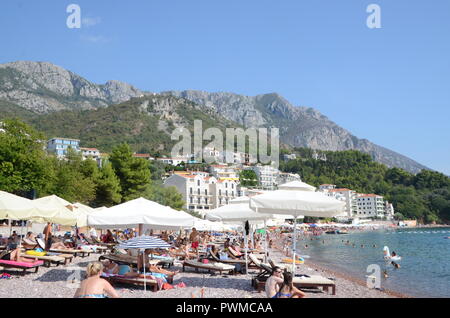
287 157
349 197
267 176
370 206
202 193
224 172
93 153
284 177
173 161
59 146
389 210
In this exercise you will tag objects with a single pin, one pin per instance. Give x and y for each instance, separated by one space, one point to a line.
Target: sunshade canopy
144 242
236 213
140 211
295 203
17 208
296 186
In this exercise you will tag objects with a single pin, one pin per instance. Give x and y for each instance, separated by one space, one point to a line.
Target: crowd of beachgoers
198 264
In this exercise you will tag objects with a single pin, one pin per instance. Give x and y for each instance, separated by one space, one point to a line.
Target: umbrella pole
145 278
246 251
294 245
265 241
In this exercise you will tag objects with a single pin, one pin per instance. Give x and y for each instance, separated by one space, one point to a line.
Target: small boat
331 232
342 232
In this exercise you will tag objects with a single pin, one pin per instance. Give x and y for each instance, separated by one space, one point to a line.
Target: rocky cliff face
299 126
43 87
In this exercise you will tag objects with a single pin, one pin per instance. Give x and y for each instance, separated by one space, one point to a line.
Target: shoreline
340 274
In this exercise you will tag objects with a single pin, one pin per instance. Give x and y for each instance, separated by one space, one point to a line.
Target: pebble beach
57 282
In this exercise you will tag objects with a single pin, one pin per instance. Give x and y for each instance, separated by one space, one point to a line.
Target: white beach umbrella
233 213
144 242
297 203
297 186
140 211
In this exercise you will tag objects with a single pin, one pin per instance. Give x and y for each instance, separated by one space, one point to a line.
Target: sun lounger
237 255
120 259
218 267
117 279
232 261
48 260
75 252
21 265
300 281
315 281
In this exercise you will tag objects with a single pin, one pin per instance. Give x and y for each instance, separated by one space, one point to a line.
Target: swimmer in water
362 245
385 274
395 265
306 246
374 245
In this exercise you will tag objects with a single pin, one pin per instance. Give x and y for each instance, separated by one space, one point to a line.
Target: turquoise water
425 268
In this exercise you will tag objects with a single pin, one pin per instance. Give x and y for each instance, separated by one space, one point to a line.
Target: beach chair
21 265
48 260
120 259
97 241
119 279
101 247
81 252
237 255
314 281
241 262
215 267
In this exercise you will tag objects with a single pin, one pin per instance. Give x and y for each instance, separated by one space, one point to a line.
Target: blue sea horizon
425 253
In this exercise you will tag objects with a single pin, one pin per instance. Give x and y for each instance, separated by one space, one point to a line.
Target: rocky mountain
43 87
299 126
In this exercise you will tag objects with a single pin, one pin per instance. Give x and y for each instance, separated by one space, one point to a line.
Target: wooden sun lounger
218 267
120 259
80 252
315 281
305 281
153 284
21 265
48 260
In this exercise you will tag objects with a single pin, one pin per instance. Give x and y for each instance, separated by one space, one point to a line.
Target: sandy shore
56 282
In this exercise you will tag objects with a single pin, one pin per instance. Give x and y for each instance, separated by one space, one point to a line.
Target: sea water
425 267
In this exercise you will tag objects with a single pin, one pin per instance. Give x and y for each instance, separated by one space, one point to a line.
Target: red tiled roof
339 190
91 149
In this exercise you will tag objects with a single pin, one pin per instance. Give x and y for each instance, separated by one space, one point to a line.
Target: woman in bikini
94 286
287 289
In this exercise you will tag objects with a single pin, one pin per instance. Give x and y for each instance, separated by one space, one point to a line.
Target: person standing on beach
194 238
48 236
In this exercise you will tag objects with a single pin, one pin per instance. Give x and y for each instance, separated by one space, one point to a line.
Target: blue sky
389 85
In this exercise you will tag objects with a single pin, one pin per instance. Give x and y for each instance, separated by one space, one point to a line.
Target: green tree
133 173
22 158
108 187
168 196
248 178
74 179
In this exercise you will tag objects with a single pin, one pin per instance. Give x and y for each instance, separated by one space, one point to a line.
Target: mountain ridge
42 87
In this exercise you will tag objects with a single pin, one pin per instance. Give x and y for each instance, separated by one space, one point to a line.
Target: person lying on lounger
94 286
12 253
